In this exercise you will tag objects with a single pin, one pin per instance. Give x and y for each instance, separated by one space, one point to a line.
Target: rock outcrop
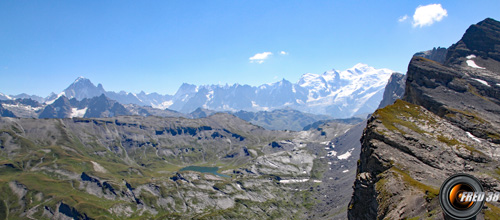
447 122
5 112
60 108
394 89
436 54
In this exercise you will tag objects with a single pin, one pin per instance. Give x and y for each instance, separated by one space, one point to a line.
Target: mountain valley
282 150
128 167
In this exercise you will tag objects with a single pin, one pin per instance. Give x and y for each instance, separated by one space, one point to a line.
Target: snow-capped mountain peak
53 97
83 88
337 93
80 78
362 66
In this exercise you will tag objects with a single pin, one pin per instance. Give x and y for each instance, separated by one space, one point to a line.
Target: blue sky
155 46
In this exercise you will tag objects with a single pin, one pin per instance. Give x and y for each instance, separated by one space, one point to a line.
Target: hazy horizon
276 80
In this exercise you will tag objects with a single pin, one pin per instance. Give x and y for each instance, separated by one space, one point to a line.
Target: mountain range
339 94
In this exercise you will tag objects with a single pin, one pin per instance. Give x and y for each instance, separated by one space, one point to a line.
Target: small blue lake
212 170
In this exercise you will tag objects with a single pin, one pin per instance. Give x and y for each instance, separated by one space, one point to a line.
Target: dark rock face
71 212
5 112
28 102
61 108
436 54
201 113
447 122
97 107
101 106
394 89
482 39
437 88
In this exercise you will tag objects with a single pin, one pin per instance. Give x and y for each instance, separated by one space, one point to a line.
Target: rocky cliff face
447 122
5 112
60 108
96 107
481 39
394 89
436 54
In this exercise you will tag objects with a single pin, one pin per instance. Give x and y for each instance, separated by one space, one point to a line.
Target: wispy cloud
283 53
260 57
428 14
403 18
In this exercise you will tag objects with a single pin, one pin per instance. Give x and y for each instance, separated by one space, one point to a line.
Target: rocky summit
447 122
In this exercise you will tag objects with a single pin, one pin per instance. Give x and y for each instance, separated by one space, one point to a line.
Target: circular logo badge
456 196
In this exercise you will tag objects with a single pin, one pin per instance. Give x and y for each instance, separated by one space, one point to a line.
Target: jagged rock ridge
97 107
436 54
394 89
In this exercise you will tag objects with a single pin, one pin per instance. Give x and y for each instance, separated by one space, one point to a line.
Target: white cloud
260 57
283 53
428 14
403 18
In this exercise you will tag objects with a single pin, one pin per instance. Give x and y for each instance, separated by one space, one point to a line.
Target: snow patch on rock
346 155
75 112
482 81
473 137
98 167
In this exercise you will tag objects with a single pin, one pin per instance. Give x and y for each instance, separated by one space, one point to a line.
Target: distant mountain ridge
279 119
104 107
339 94
83 88
5 112
96 107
